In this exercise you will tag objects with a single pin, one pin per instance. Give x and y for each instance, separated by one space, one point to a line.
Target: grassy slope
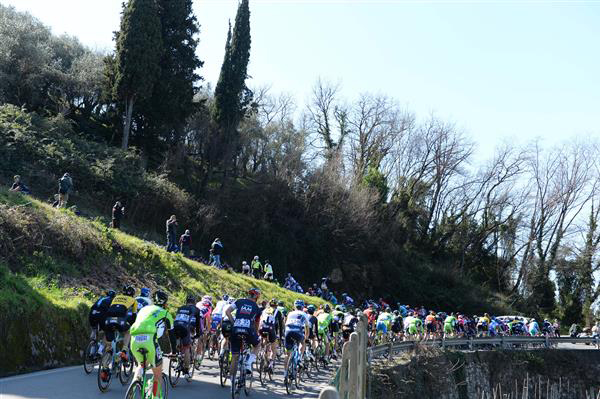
53 264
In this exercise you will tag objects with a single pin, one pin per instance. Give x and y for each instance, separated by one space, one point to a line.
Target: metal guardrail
504 342
349 381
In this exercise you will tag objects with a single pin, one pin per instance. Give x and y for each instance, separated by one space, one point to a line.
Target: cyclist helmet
128 290
273 302
190 299
225 297
338 308
311 309
160 298
327 308
231 300
254 293
298 303
111 293
207 298
280 303
145 292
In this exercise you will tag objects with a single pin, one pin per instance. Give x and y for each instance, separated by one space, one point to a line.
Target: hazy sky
502 70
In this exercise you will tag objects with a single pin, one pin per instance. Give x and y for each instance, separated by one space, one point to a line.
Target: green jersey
325 320
451 320
152 319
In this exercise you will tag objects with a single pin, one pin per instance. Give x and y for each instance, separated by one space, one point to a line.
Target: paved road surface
73 383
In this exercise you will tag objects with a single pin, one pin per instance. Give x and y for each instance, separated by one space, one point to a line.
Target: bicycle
243 381
113 362
142 389
224 367
213 344
177 364
264 368
292 378
91 357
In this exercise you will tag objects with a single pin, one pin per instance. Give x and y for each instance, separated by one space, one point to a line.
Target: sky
500 70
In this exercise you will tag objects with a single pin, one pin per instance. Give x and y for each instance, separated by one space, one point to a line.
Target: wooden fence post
329 393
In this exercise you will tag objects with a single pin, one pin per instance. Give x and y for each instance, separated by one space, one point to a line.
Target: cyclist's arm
229 313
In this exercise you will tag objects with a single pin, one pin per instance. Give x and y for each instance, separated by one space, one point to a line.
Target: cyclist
152 322
187 322
482 324
98 312
217 313
450 323
269 322
205 308
324 322
245 324
120 316
313 328
296 328
349 324
281 307
430 324
384 321
226 327
397 324
534 328
336 324
415 325
144 298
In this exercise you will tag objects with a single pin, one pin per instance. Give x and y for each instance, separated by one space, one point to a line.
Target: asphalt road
72 382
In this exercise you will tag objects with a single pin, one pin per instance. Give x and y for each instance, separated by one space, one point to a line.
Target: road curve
73 383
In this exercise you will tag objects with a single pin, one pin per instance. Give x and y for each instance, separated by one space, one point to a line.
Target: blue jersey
247 313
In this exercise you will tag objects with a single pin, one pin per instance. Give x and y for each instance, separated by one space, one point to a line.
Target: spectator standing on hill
217 251
118 211
256 267
172 234
268 271
65 187
185 243
19 186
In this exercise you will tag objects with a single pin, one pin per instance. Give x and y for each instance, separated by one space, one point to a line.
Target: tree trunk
127 125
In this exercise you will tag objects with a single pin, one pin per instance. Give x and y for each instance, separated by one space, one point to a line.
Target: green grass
54 264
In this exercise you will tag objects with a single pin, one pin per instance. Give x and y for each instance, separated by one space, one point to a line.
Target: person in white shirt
296 328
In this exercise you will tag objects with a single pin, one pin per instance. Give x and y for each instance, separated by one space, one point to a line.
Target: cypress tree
172 98
139 48
232 96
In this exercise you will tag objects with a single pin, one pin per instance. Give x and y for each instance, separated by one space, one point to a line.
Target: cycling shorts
226 327
335 327
238 334
448 328
182 331
216 320
430 327
113 324
292 337
268 333
382 327
412 329
149 343
97 319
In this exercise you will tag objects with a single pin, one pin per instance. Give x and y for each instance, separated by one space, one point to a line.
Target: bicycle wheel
288 380
261 369
90 357
174 371
135 391
198 363
224 367
164 386
235 383
105 371
128 365
125 371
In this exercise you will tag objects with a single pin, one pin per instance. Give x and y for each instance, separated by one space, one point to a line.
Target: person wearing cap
256 267
216 250
246 268
65 187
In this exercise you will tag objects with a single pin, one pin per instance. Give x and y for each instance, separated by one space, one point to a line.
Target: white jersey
296 321
219 308
225 307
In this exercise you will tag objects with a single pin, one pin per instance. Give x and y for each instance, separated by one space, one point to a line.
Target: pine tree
139 48
232 96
